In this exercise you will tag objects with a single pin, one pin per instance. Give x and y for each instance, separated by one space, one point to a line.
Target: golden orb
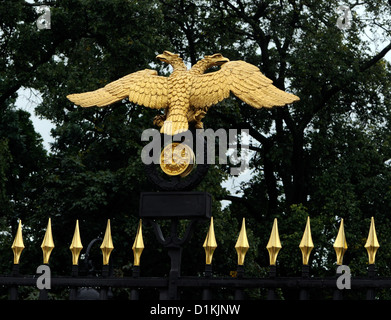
177 159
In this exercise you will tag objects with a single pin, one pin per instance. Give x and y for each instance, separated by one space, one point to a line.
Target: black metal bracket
168 205
174 206
173 240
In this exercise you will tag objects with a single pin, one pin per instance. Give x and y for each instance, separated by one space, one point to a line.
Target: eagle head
168 57
216 59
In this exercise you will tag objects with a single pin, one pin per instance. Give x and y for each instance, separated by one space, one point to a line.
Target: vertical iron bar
239 294
305 273
74 274
103 291
371 275
337 295
43 294
271 294
163 294
134 293
13 291
175 254
206 292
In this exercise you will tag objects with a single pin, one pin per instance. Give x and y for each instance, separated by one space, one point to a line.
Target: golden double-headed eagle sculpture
186 94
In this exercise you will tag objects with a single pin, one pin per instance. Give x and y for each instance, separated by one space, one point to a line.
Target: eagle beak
161 57
222 61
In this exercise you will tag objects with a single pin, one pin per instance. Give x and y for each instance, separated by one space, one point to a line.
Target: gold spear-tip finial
306 244
210 243
340 245
372 244
138 245
107 244
242 244
274 244
18 245
76 245
47 243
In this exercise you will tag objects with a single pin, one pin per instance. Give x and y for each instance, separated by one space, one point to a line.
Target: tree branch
375 58
45 57
231 198
326 95
255 134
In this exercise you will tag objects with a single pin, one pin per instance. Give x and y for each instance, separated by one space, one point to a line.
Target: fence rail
170 287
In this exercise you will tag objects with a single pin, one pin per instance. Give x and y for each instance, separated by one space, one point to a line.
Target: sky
27 100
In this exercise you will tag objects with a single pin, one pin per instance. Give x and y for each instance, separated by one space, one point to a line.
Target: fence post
210 246
134 294
306 245
13 291
43 294
340 247
372 245
241 247
75 248
74 274
17 248
337 295
103 291
305 273
271 294
175 254
371 275
138 247
47 247
239 294
206 292
107 247
273 247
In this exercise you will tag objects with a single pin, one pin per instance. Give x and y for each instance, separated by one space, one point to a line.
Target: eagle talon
199 115
159 120
199 125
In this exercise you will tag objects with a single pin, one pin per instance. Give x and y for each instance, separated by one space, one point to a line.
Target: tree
22 163
325 156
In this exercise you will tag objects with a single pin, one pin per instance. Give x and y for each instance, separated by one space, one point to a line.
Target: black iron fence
97 288
81 286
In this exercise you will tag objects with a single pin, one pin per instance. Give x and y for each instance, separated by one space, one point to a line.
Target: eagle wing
244 80
143 87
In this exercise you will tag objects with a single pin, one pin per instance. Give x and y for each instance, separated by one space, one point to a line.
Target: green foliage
5 159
